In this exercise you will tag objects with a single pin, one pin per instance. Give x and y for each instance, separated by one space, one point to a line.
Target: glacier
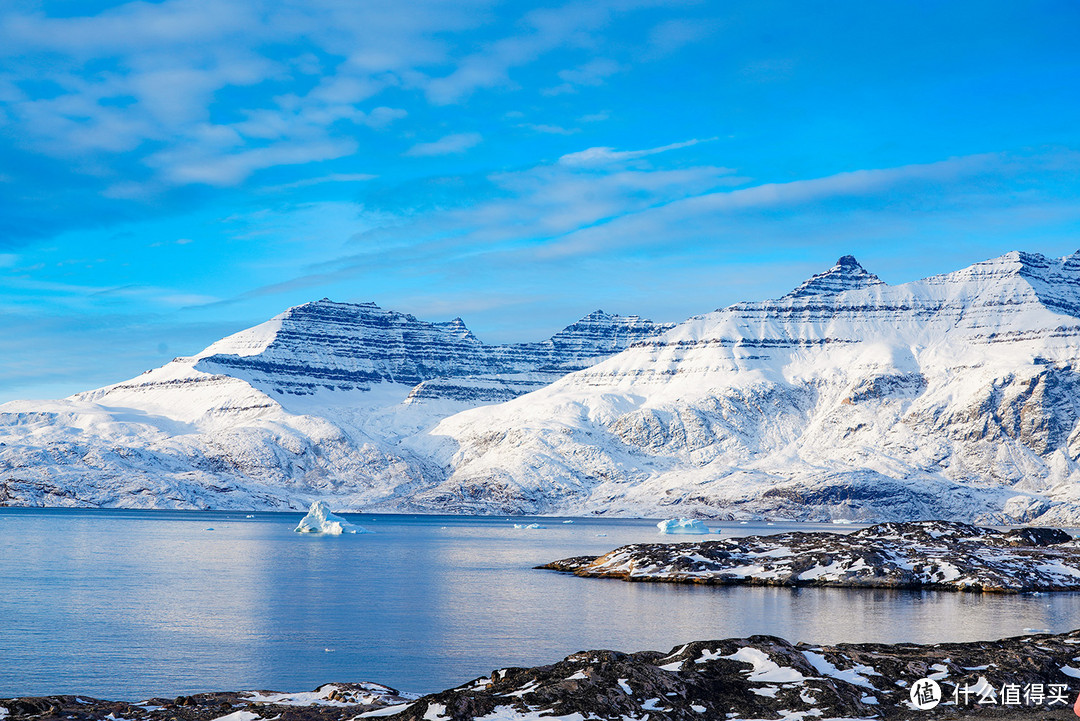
847 399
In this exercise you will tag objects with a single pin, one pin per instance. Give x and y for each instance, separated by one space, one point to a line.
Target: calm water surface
129 604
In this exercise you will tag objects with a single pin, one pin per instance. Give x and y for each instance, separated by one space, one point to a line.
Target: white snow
682 525
625 687
851 675
1070 671
388 711
238 716
435 712
509 713
765 669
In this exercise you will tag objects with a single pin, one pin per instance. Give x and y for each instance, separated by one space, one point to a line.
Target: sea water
132 604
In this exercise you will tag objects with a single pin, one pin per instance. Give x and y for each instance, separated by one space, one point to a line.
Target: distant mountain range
951 397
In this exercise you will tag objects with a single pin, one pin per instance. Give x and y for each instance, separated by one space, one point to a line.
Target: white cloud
229 169
447 145
605 156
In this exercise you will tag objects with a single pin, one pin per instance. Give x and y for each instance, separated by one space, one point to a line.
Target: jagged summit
847 274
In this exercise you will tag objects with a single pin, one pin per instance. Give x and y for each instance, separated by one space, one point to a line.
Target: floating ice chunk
531 526
682 525
320 520
567 521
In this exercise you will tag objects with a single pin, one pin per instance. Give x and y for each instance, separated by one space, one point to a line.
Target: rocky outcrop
329 702
760 677
935 555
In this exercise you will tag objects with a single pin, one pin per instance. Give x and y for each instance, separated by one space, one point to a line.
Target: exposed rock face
932 555
760 677
847 274
344 346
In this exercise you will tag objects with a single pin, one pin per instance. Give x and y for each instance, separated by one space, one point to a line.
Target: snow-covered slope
312 403
951 397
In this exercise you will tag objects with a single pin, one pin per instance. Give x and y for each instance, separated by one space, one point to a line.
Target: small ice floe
842 521
682 525
1036 630
209 529
250 515
567 521
601 535
530 527
319 519
329 650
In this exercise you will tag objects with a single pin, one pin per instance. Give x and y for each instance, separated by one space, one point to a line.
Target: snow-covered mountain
314 402
950 397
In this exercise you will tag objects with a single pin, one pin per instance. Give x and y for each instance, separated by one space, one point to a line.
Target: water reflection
128 604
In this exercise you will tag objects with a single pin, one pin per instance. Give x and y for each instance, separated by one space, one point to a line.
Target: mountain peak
846 274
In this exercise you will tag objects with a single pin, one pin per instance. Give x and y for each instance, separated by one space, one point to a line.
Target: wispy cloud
446 145
605 156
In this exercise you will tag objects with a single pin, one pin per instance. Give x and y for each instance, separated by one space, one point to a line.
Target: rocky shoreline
761 677
936 555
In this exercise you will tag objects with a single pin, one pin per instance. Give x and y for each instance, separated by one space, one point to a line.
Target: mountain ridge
954 396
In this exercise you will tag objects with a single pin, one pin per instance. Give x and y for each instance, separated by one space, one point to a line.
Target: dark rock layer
760 677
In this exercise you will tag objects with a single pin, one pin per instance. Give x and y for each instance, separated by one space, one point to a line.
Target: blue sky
174 171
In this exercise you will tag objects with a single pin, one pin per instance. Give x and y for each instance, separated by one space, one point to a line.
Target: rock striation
935 555
952 397
759 677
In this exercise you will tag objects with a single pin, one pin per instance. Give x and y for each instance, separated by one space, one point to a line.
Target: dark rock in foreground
760 677
923 554
329 702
